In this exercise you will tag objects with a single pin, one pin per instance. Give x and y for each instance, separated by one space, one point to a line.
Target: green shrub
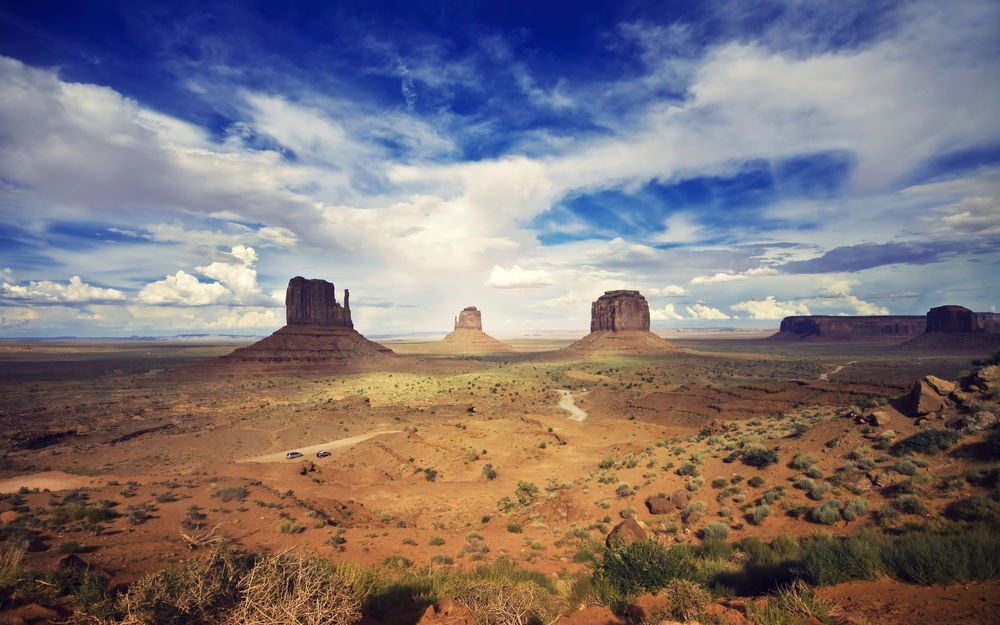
908 504
716 530
976 509
802 462
826 513
687 468
526 492
830 560
643 566
290 527
756 481
719 482
760 457
925 558
926 442
685 600
855 508
816 492
435 541
792 604
906 467
760 513
229 493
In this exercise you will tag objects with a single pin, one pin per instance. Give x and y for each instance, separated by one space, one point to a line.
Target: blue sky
167 169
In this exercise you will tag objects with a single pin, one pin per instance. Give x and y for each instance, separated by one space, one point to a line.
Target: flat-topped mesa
314 302
953 319
618 311
852 327
470 319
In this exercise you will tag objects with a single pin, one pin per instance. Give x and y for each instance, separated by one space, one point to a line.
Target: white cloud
671 290
702 311
183 289
667 313
979 215
16 317
719 277
769 308
679 228
49 292
862 307
517 278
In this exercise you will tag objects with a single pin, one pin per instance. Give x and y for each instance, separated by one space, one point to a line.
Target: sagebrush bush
855 508
826 513
759 456
716 530
927 442
643 566
760 513
905 467
802 462
685 600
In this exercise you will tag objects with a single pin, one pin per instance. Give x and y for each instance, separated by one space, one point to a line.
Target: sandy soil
48 480
309 451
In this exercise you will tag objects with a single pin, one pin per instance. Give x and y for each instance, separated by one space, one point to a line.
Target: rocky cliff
842 328
314 302
470 318
617 311
953 319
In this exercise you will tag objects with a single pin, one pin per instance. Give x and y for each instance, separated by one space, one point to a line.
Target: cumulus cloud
45 292
517 278
701 311
979 215
183 289
671 290
667 313
770 308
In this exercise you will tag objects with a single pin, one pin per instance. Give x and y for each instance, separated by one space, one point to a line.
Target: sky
166 168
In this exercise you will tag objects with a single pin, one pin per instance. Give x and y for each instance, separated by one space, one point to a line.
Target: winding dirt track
310 450
566 403
836 370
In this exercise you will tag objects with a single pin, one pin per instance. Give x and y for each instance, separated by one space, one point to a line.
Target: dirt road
566 403
309 451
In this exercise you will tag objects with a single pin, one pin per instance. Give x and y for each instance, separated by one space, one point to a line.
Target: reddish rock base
469 341
305 344
629 341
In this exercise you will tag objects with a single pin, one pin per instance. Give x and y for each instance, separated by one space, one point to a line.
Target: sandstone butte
468 336
619 322
318 331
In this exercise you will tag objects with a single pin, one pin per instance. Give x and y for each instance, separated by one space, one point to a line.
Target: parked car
322 453
293 454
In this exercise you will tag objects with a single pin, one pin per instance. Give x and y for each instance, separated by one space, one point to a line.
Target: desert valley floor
442 462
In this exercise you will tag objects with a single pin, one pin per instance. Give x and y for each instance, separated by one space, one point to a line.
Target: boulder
666 505
314 302
981 420
618 311
985 377
627 531
923 399
952 319
470 318
879 418
942 387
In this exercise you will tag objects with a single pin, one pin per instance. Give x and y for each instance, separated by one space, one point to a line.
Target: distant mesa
318 331
943 327
958 328
619 322
468 336
845 328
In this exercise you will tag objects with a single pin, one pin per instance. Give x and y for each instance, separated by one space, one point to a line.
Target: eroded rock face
470 319
618 311
314 302
953 319
836 327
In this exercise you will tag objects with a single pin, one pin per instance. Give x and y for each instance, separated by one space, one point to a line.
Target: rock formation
953 319
619 322
617 311
468 336
314 302
319 332
470 319
957 328
847 328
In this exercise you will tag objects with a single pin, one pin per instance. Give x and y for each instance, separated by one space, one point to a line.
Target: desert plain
440 463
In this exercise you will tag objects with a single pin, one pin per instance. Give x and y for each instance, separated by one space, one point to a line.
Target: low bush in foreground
926 442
